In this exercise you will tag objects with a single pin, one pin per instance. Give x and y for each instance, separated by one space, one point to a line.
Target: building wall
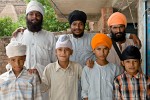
3 58
141 30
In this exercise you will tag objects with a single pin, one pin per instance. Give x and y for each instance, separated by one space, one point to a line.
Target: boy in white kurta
62 76
97 83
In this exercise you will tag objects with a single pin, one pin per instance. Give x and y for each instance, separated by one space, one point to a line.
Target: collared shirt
40 48
62 83
24 87
127 87
113 54
97 83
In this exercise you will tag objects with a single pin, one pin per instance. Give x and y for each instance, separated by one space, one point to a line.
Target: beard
78 35
34 27
120 38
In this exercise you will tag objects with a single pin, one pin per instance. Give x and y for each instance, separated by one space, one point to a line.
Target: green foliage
6 26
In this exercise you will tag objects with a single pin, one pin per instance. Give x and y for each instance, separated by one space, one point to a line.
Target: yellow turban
101 39
117 18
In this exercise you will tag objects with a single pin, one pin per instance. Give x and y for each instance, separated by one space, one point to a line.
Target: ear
122 62
55 51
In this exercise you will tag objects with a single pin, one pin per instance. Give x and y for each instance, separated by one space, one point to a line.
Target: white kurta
113 56
82 49
40 49
97 83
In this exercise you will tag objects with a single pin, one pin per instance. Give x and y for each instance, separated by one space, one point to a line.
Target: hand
136 40
33 71
90 63
20 29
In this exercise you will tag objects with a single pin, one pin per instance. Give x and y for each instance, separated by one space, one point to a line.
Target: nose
17 63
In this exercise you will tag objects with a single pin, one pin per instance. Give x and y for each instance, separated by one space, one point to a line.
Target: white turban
35 6
15 49
63 41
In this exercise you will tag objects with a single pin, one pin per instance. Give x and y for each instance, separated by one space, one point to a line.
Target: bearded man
40 43
117 23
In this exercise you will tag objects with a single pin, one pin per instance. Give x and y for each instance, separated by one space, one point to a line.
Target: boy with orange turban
97 83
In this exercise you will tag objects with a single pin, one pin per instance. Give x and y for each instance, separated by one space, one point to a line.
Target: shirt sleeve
117 93
84 83
36 88
46 81
52 52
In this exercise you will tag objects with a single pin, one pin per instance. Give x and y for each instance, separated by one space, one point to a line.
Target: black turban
77 15
131 52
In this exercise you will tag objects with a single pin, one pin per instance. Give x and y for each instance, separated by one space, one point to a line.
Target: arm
117 92
90 63
136 40
36 85
85 84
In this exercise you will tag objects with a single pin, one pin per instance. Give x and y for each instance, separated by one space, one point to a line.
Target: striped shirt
24 87
127 87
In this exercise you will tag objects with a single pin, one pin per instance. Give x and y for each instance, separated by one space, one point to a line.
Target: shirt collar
138 75
59 67
11 71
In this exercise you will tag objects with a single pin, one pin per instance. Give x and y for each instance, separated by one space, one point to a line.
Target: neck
120 42
63 64
102 62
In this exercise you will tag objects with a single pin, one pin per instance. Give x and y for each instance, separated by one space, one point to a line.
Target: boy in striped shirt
17 83
132 84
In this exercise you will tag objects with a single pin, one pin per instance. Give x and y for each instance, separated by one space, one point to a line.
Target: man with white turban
40 43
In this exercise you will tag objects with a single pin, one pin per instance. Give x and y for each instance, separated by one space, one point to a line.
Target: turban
101 39
131 52
63 41
35 6
117 18
77 15
15 49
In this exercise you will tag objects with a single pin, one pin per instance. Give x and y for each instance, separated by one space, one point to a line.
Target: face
101 52
77 28
118 32
17 63
63 53
132 65
34 21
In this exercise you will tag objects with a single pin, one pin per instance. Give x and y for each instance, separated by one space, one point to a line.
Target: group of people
74 66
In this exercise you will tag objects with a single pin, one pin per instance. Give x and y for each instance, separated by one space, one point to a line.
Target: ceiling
93 7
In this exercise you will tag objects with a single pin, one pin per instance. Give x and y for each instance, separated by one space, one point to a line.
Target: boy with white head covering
62 76
17 83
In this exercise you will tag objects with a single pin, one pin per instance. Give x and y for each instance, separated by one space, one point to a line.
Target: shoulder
4 75
48 33
119 77
75 65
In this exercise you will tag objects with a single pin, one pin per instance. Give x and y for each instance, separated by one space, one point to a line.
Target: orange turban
101 39
117 18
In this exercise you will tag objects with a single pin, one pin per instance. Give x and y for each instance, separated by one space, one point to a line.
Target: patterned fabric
127 87
24 87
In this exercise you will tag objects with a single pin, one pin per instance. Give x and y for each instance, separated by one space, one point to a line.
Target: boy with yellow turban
97 83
